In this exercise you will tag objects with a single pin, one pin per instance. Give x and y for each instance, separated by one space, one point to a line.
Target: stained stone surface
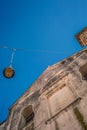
53 96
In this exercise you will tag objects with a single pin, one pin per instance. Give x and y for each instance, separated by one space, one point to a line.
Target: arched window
27 118
28 113
83 71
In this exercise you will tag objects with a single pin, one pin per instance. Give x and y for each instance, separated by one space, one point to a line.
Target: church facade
57 100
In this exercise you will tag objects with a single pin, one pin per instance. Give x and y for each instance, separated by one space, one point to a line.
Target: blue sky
48 25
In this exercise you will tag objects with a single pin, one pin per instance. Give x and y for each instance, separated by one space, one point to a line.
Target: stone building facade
56 101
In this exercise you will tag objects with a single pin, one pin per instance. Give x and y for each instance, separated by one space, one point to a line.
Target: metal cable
12 56
33 50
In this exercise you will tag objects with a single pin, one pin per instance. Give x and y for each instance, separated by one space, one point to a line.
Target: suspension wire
32 50
29 50
12 56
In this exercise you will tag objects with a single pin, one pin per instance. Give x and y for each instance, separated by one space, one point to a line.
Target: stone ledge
62 110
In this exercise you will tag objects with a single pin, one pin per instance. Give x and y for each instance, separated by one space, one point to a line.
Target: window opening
83 71
28 113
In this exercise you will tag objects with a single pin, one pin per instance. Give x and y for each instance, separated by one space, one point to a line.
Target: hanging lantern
9 72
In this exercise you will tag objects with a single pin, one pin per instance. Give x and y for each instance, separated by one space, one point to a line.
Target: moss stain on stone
80 118
56 125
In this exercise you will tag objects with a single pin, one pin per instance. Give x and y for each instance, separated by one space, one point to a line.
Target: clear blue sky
36 25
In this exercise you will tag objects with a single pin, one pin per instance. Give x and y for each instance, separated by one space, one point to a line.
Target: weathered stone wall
55 97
